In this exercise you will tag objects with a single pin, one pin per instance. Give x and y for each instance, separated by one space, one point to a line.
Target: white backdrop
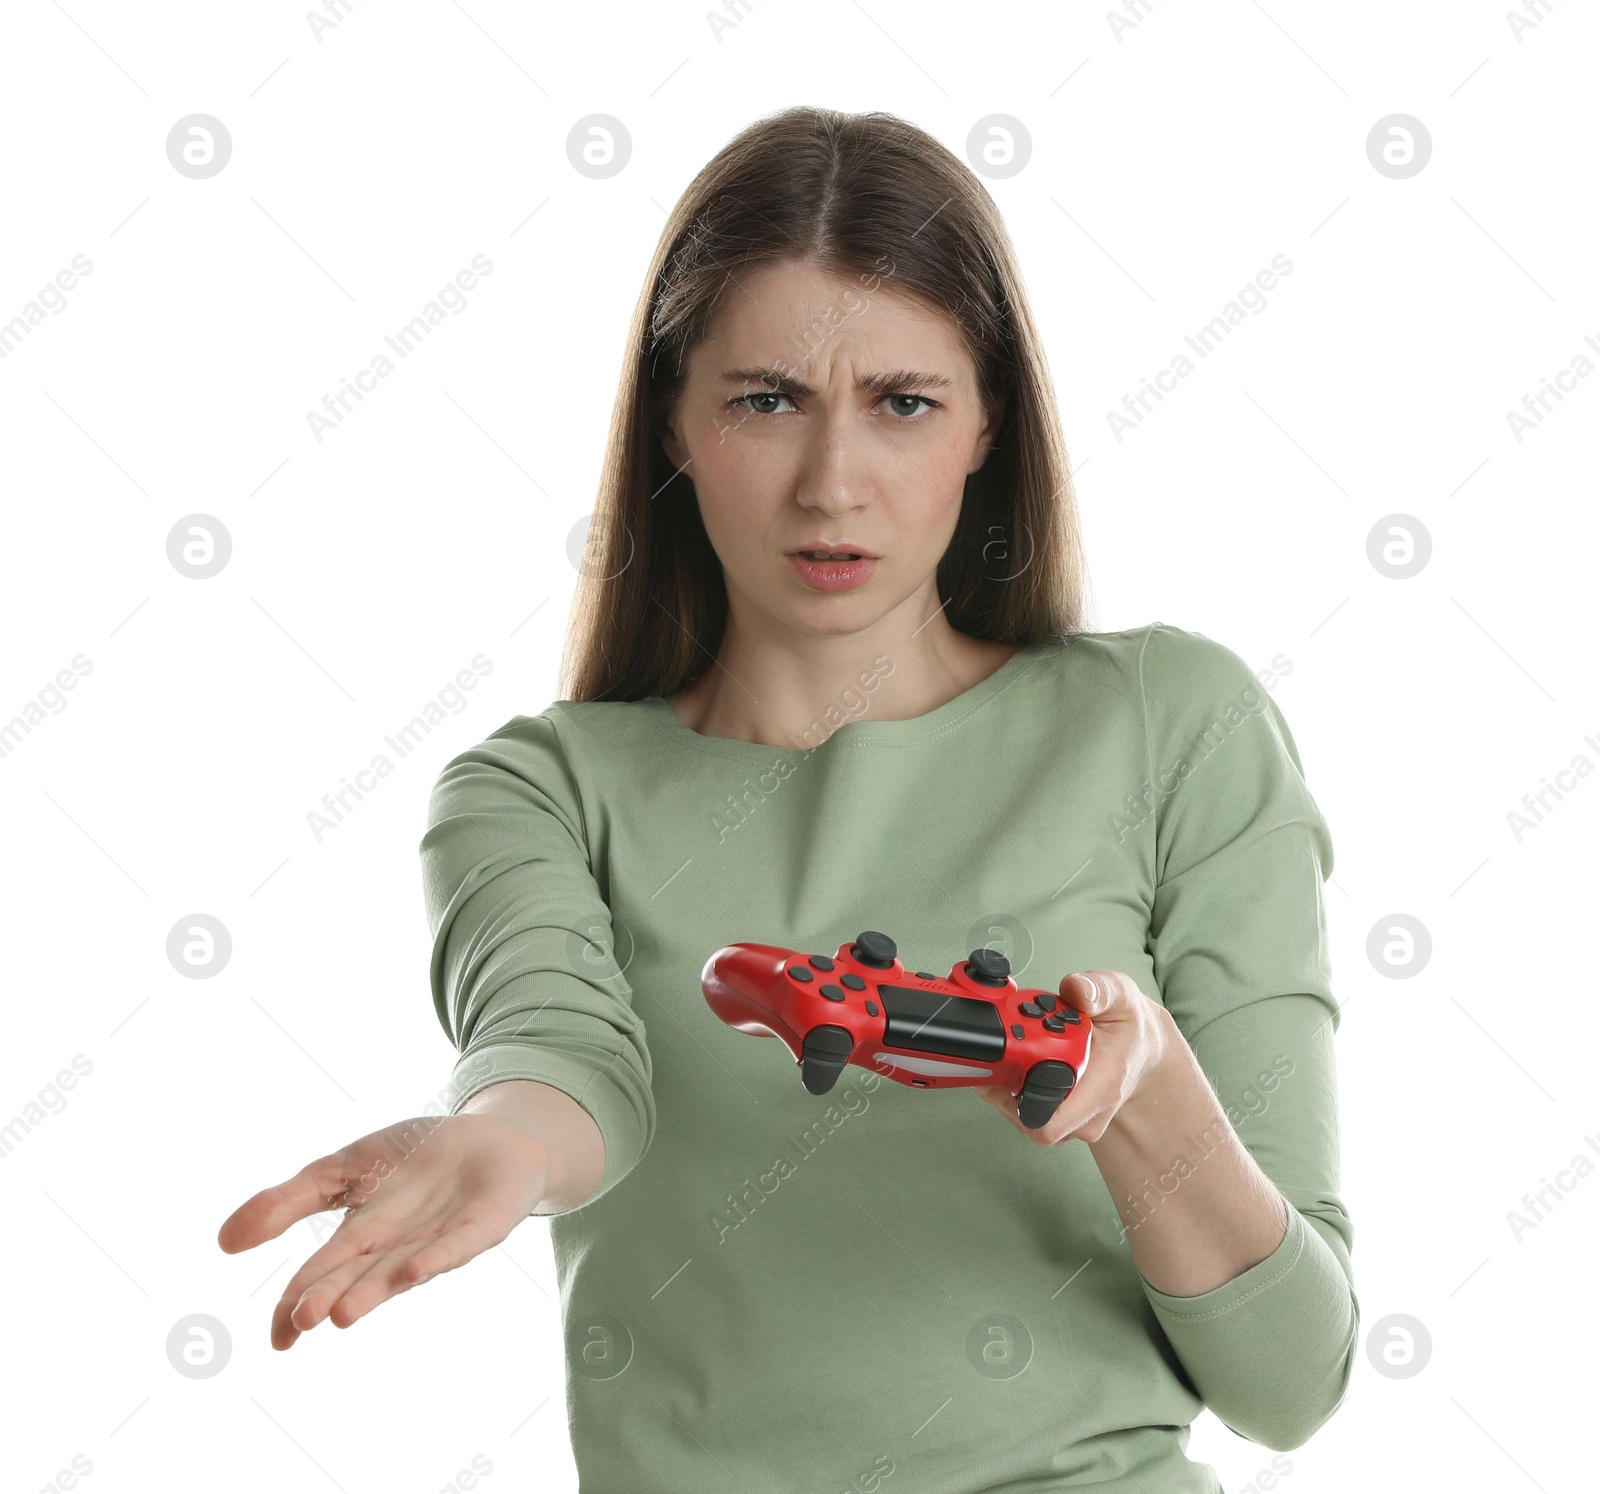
202 314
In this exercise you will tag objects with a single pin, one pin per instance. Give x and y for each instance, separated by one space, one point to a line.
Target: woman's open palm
422 1196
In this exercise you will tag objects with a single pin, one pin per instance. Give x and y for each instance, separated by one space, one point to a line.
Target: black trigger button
822 1056
1047 1085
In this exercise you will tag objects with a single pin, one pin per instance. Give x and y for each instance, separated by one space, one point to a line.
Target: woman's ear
666 433
980 450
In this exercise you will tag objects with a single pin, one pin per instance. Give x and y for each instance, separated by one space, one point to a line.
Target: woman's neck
784 696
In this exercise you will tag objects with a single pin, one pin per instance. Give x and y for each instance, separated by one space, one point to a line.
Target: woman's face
859 437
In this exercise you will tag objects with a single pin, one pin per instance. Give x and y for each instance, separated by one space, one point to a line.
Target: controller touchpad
932 1022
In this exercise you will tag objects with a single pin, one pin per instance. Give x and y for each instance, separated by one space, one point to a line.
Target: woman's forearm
1196 1208
567 1131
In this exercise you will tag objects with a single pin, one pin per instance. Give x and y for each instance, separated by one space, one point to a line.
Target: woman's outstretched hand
422 1196
1134 1038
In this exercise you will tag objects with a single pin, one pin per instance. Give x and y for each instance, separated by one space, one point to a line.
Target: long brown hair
871 198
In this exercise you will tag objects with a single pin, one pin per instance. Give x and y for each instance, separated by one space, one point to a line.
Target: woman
765 1288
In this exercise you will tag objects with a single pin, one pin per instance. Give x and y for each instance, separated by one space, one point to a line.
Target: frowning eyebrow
894 381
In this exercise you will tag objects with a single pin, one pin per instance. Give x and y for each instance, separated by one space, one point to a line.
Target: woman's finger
362 1233
1100 993
454 1248
316 1301
343 1289
316 1188
319 1283
347 1177
366 1234
414 1265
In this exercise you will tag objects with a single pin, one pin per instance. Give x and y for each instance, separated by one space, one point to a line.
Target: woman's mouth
831 570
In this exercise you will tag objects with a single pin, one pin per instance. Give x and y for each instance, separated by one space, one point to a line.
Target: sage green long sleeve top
885 1286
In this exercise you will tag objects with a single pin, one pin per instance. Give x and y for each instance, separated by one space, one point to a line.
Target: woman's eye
747 400
744 399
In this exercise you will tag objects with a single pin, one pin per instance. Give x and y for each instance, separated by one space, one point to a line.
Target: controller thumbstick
988 967
874 949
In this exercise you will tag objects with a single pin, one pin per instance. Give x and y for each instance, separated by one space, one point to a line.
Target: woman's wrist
1196 1208
575 1154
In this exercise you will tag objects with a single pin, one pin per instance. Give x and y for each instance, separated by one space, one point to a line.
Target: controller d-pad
1030 1010
832 992
1046 1001
799 972
1071 1016
1055 1024
853 981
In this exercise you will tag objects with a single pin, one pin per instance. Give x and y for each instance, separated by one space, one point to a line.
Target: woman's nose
836 467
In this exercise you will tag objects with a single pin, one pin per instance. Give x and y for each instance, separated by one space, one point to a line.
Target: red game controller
861 1006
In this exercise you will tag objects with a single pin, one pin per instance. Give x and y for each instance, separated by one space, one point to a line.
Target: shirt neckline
863 731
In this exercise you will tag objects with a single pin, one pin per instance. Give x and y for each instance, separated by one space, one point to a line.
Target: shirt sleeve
524 971
1240 950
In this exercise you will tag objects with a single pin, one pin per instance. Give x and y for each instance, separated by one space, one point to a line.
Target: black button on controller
874 949
820 962
832 992
854 981
1019 1032
988 967
1047 1002
1030 1010
799 972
